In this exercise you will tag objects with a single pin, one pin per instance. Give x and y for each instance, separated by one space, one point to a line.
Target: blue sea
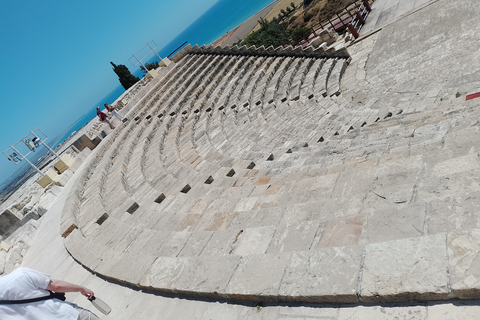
222 17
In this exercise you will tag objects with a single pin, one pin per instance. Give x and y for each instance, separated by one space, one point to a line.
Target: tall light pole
32 141
139 60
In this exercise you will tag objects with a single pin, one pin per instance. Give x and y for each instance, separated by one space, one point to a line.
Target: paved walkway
387 11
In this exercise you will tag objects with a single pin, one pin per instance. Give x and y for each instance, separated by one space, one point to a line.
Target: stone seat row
124 209
162 262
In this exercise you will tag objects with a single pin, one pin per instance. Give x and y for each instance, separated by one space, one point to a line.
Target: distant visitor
113 110
103 117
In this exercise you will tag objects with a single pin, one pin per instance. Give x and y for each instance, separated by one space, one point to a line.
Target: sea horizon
200 32
222 17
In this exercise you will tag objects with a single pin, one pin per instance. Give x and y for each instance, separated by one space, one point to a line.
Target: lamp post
145 56
32 142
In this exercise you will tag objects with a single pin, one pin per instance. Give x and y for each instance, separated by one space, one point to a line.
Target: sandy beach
241 31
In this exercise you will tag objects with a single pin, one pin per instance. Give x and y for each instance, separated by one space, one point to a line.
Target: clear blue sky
55 57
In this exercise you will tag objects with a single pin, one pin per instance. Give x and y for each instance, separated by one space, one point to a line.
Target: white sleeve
38 279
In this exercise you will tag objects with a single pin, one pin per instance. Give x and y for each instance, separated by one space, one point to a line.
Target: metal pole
360 18
145 68
154 52
56 155
331 23
353 31
33 166
367 5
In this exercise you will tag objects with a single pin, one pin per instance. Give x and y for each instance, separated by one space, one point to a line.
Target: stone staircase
258 174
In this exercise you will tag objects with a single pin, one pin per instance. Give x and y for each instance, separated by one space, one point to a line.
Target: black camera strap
53 295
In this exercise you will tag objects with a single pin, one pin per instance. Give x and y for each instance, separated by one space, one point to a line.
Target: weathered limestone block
222 242
206 275
414 268
49 177
242 50
341 232
85 142
164 272
246 204
451 212
397 179
254 241
64 163
261 50
165 62
195 244
456 165
4 246
464 260
333 84
129 266
7 221
174 244
389 221
258 277
324 275
293 236
85 251
298 51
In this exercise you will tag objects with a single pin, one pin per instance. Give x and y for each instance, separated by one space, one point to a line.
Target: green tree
293 5
299 34
270 34
149 66
126 78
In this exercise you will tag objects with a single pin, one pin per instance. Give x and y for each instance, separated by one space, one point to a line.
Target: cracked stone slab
258 277
195 244
222 242
174 244
254 241
456 165
414 268
464 261
396 179
387 221
295 236
341 232
164 272
324 275
130 266
206 275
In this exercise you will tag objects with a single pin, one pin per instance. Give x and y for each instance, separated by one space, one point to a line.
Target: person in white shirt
113 111
25 284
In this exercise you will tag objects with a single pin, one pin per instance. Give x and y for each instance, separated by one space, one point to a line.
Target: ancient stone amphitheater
296 175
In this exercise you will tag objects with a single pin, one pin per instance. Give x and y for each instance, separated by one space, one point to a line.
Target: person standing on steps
103 117
21 286
113 111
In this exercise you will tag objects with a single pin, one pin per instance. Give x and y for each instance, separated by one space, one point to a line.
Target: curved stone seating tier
255 174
